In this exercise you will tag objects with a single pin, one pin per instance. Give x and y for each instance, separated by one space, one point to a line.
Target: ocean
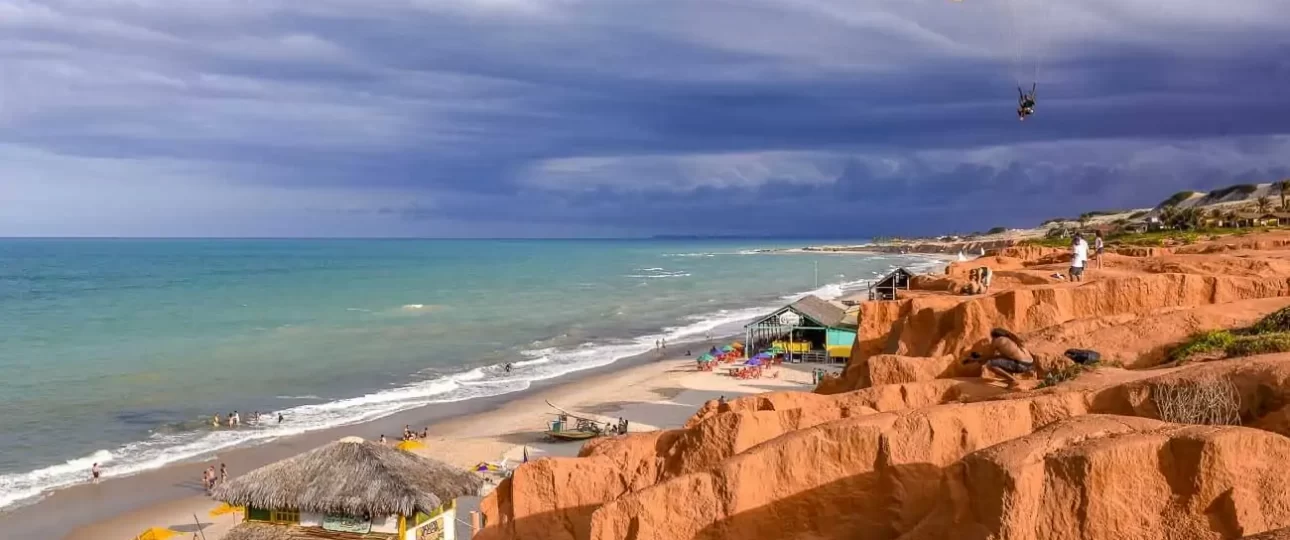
119 351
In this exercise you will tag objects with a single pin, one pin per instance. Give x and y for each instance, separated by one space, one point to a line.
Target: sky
595 118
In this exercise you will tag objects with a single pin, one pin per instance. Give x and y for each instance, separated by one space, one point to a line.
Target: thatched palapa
351 477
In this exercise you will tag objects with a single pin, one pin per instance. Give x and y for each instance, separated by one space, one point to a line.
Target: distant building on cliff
886 288
350 489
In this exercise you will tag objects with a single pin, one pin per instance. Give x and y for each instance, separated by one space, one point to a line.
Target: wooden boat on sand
570 427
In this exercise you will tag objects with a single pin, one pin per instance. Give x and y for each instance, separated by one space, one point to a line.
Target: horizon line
651 237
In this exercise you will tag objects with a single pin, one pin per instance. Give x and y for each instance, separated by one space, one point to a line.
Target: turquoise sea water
114 351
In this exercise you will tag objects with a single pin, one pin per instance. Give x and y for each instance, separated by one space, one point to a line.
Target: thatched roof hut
351 477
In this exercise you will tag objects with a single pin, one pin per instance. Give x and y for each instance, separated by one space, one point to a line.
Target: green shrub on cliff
1203 343
1259 344
1277 321
1068 373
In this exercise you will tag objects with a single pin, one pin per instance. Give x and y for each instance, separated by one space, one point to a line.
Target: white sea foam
658 273
17 487
695 254
539 364
533 362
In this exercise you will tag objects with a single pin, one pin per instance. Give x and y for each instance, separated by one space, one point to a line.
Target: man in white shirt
1079 257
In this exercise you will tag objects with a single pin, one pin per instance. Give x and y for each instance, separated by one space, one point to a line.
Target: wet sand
648 390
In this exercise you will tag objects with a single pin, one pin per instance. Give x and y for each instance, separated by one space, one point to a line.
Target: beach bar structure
350 489
810 329
885 288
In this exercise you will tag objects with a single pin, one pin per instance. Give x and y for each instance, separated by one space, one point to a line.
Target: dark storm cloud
400 117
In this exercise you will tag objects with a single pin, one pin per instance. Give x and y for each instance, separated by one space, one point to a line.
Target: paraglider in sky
1025 102
1029 31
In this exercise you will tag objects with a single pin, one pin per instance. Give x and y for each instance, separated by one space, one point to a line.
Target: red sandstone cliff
910 444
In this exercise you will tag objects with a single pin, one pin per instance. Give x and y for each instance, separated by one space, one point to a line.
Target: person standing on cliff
1079 257
1099 246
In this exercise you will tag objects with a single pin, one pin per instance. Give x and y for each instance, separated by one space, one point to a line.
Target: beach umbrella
226 508
737 345
408 446
727 348
762 355
156 533
753 362
706 358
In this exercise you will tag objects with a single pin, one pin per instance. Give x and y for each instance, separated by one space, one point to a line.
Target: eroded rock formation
910 444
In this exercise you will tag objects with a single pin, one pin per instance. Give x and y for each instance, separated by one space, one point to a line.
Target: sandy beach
658 394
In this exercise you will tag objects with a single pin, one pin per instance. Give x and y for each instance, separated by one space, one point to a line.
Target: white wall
389 525
310 519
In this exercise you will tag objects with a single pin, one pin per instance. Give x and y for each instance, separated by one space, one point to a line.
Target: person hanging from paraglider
1025 102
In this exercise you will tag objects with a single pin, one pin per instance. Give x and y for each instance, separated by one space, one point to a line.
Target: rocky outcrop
905 443
745 467
1179 482
1136 251
1143 341
1028 253
935 328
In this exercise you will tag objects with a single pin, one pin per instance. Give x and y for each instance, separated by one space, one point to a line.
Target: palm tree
1217 215
1192 217
1168 215
1230 218
1282 186
1263 204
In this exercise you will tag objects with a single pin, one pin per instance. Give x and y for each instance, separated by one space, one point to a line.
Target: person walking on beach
223 474
382 438
206 479
1079 257
94 473
425 433
215 420
280 417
